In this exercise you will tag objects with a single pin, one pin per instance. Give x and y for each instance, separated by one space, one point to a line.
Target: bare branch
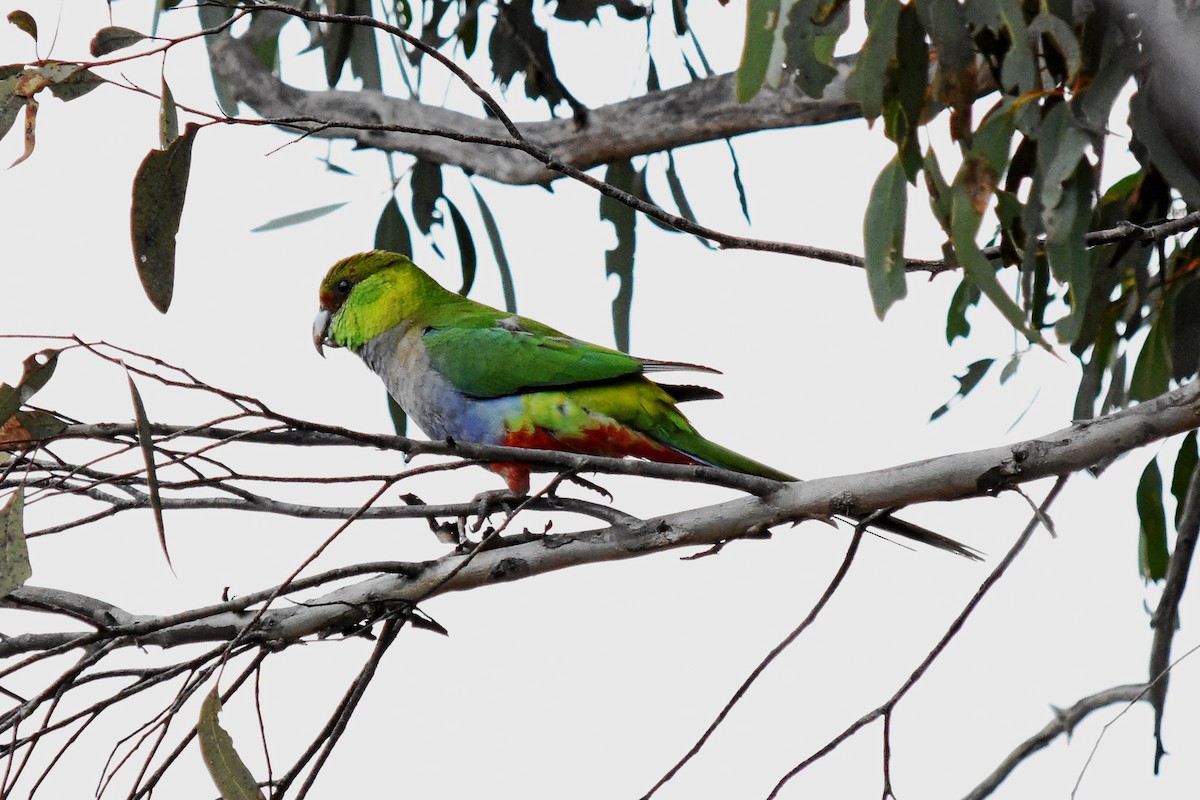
834 583
1064 722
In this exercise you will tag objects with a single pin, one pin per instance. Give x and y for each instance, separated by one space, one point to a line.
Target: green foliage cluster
1128 309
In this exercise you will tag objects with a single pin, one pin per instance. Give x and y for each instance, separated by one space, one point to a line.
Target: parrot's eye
343 286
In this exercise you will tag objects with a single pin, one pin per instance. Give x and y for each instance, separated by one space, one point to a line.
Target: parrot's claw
494 500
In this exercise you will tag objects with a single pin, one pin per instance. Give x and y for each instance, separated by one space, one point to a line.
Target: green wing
510 358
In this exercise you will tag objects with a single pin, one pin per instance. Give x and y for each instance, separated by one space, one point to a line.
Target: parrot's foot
494 500
595 487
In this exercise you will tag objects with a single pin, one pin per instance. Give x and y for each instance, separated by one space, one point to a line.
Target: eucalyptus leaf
1185 466
1153 557
298 217
883 235
25 21
229 773
392 231
619 260
493 234
159 191
14 554
761 18
113 38
146 444
466 247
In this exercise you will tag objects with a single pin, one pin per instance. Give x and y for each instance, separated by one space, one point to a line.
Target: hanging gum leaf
168 118
14 555
966 382
146 443
31 109
1153 557
761 18
869 77
426 191
159 190
399 418
229 773
737 181
1185 465
391 233
287 220
1152 371
493 234
619 260
883 236
108 40
24 20
466 248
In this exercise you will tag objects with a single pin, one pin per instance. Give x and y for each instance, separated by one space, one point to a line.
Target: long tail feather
715 455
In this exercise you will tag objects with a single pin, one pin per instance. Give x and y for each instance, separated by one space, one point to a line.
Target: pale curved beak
320 328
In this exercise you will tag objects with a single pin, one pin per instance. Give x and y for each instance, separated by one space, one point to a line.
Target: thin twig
938 648
834 583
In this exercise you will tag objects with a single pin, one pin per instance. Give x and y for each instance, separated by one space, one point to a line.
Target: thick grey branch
700 111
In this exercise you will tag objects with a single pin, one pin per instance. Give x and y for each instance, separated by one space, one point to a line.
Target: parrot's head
365 295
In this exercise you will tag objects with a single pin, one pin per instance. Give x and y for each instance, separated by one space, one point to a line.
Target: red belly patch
615 441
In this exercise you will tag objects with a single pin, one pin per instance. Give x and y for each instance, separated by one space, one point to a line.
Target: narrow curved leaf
31 109
466 248
24 20
619 260
1185 465
364 51
168 118
761 18
212 16
493 234
159 190
399 418
966 382
883 236
307 215
679 14
146 443
229 773
737 181
1153 557
108 40
426 191
14 555
869 77
392 231
1152 370
675 184
965 296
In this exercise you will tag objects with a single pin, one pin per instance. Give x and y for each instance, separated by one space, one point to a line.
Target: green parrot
473 373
